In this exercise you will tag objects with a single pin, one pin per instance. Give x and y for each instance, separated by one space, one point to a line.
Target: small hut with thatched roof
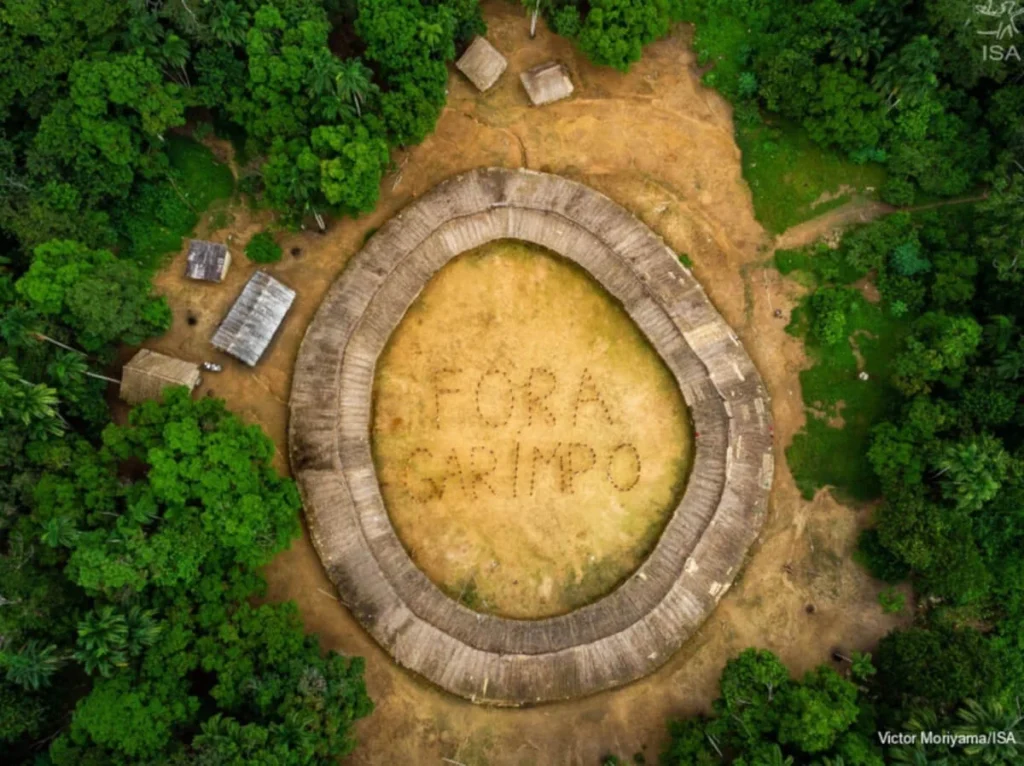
481 63
208 261
150 372
252 321
547 83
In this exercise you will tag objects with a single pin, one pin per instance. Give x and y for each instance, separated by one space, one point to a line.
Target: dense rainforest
130 554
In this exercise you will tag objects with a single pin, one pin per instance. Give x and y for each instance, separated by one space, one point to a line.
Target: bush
898 191
878 560
973 666
892 601
263 249
828 310
566 21
906 260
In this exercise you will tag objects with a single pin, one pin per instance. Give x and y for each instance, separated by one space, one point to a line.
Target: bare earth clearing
661 145
530 444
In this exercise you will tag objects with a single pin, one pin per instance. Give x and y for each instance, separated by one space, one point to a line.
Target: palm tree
985 719
231 23
1010 364
102 641
534 7
354 81
908 73
143 630
430 33
32 666
976 470
322 75
175 53
59 532
16 325
774 757
858 45
34 405
918 754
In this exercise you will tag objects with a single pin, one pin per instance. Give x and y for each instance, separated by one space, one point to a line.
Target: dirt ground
661 145
529 441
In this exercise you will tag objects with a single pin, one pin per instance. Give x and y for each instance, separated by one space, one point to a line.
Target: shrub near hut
263 249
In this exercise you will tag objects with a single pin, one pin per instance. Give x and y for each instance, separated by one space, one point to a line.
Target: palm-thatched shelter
547 83
150 372
481 63
637 627
207 261
252 321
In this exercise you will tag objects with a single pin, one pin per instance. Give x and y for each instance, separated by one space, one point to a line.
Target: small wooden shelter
150 372
481 63
207 261
547 83
252 321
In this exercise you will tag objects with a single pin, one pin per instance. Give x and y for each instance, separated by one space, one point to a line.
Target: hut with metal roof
252 321
207 261
481 63
547 83
150 372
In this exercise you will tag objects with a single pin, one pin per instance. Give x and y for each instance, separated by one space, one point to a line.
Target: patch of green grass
787 173
159 213
816 265
834 453
722 43
200 179
467 594
599 577
892 601
788 261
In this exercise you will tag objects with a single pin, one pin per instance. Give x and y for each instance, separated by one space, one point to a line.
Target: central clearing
529 442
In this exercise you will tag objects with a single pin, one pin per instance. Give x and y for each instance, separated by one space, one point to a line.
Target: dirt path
809 232
661 145
856 211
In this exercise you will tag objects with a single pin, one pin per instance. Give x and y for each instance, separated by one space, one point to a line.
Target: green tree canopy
102 299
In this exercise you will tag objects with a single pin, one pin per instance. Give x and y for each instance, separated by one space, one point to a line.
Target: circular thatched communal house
635 628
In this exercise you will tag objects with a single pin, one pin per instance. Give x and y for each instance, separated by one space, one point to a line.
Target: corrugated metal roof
252 321
207 260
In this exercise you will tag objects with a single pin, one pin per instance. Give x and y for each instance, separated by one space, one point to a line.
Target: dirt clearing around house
661 145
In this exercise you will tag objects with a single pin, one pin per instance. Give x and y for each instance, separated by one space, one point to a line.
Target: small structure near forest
252 321
207 261
481 63
547 83
150 372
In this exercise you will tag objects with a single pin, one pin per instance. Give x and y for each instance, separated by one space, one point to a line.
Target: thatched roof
481 63
547 83
208 261
637 627
252 321
149 373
